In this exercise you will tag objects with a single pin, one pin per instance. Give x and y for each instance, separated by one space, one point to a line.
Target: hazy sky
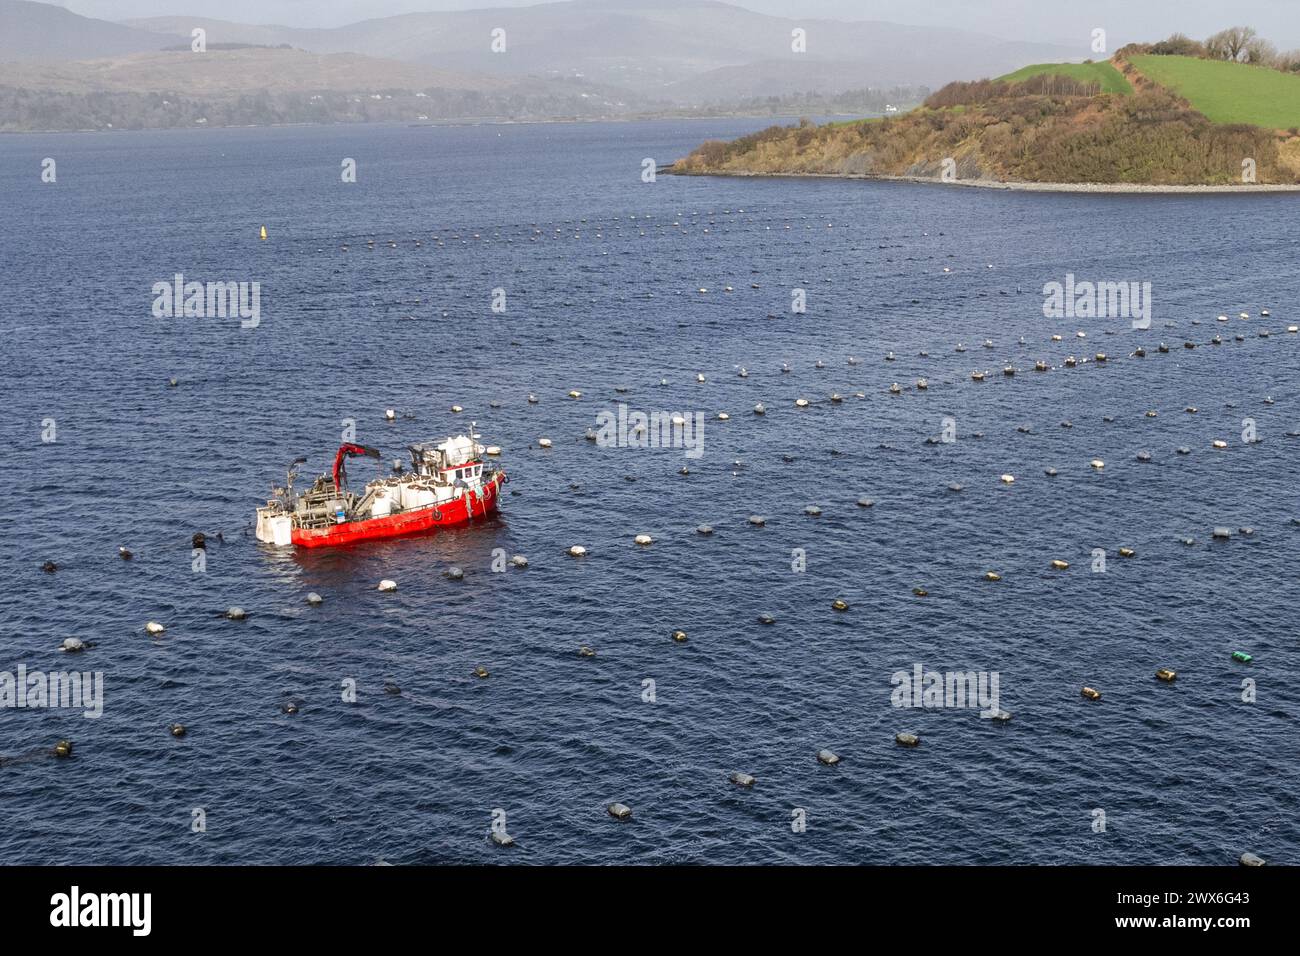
1044 20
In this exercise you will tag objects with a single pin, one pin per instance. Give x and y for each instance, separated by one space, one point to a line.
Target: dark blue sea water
601 273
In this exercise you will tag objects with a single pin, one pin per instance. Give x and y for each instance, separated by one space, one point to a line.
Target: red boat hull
464 509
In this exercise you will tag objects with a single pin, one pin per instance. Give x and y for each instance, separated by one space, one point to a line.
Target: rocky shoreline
1238 189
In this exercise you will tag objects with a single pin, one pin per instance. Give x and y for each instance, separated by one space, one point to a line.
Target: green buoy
1242 656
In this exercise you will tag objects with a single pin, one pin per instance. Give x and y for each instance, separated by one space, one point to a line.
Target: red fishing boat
448 483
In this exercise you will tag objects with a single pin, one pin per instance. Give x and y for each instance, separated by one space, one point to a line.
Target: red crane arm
349 450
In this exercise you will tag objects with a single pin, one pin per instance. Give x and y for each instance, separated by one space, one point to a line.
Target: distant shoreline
1019 186
436 124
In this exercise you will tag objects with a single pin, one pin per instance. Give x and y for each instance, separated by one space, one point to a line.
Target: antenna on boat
291 475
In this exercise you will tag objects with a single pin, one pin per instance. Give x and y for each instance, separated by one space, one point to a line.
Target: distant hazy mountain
582 58
691 50
248 86
39 31
240 71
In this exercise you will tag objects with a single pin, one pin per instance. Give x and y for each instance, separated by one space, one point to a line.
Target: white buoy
387 584
759 409
456 409
801 403
723 416
1219 443
314 598
543 443
492 450
236 614
575 394
644 539
620 811
742 779
519 561
1007 479
758 520
390 414
1097 463
153 627
72 645
577 551
829 758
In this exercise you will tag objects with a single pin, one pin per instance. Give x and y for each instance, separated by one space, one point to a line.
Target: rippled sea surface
603 275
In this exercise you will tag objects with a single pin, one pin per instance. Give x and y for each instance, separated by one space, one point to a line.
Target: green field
1111 79
1228 92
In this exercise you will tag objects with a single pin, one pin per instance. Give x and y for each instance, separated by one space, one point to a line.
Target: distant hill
688 50
239 71
264 86
39 31
577 59
1227 92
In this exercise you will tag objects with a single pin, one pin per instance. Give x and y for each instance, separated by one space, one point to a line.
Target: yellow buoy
264 232
1091 694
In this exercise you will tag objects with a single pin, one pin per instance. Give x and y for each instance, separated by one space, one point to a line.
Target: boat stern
274 526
